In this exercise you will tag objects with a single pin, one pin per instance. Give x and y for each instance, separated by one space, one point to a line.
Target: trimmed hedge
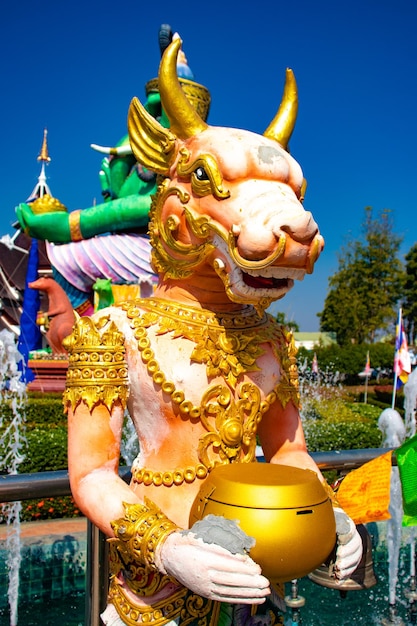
340 435
334 424
39 411
45 449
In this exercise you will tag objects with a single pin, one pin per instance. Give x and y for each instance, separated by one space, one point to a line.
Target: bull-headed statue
203 372
230 204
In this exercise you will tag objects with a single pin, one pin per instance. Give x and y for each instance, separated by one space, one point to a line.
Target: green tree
410 294
363 293
291 325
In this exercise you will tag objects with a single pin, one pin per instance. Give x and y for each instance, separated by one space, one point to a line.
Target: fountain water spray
316 387
12 428
392 426
129 449
411 592
410 402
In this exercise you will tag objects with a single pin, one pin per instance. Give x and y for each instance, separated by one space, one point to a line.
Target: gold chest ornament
229 345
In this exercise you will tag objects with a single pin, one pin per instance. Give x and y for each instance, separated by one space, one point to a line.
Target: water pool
52 589
67 611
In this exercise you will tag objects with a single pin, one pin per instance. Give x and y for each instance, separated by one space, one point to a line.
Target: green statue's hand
46 226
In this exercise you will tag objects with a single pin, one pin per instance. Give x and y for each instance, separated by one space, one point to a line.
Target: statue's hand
212 571
46 226
349 546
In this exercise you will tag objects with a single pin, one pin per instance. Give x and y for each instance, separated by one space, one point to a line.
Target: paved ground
51 528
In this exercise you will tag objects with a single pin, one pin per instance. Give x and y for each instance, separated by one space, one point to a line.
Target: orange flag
365 492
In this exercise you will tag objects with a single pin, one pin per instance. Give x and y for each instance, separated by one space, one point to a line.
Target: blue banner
30 335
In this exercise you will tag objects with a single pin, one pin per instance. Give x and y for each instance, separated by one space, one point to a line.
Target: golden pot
285 509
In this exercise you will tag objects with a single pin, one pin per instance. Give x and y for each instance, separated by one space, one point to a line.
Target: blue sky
74 67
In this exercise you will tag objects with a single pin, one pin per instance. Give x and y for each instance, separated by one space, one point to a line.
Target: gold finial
44 155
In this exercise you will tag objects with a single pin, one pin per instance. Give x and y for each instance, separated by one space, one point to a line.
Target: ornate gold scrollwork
154 615
171 257
233 433
213 184
229 345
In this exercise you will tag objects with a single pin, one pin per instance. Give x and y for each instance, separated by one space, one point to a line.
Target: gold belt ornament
154 615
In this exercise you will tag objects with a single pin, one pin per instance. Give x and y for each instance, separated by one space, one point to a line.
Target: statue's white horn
121 150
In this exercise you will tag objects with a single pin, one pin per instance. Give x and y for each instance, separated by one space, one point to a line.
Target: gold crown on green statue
197 95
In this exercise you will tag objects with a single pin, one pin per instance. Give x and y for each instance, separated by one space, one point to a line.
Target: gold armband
97 371
143 528
74 225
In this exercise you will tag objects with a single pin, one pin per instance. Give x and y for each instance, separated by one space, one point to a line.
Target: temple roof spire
44 154
41 188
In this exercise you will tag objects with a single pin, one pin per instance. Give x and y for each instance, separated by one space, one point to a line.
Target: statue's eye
201 174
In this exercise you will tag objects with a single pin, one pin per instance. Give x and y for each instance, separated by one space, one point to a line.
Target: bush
39 411
350 360
383 393
49 508
45 450
336 424
324 435
339 410
45 410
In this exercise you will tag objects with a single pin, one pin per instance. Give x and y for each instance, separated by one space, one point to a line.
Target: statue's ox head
229 199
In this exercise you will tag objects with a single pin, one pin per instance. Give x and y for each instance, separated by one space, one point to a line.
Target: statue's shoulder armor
97 371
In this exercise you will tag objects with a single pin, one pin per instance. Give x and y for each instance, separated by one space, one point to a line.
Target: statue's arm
95 399
93 462
207 569
282 437
122 214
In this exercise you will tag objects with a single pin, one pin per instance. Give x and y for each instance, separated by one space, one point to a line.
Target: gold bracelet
143 528
74 225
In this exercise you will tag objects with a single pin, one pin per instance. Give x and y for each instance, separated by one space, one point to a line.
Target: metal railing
54 484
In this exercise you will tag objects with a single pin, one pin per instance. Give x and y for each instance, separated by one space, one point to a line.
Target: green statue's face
154 107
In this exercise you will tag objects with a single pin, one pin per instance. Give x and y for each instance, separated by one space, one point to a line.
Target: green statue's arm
127 204
118 215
